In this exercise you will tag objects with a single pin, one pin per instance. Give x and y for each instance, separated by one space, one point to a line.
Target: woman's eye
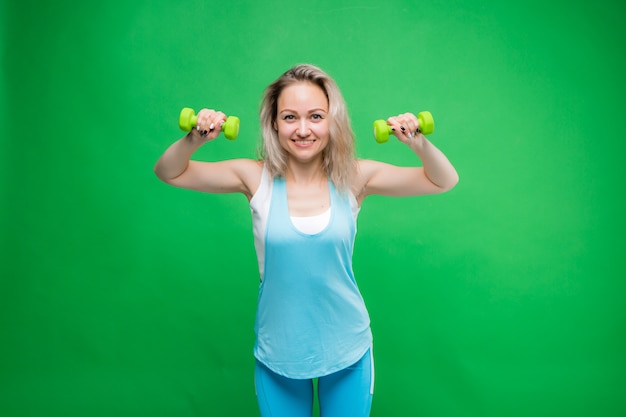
288 117
317 117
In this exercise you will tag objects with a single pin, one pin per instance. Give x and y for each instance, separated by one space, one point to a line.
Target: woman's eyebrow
317 109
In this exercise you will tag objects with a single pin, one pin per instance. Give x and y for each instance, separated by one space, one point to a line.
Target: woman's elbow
454 181
161 174
449 183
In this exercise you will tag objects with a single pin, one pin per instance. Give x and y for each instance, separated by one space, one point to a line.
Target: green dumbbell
382 130
188 120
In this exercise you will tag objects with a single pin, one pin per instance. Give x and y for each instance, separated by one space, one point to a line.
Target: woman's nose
303 129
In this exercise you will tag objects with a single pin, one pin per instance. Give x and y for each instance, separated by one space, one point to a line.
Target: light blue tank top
311 320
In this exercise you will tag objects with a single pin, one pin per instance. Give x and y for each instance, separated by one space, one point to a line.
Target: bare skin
303 131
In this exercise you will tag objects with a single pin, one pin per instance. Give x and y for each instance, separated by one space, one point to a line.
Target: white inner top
312 224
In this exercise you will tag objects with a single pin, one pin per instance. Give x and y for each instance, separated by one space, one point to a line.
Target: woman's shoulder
252 166
364 170
366 166
250 171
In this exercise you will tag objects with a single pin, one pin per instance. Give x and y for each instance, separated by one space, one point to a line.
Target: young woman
305 193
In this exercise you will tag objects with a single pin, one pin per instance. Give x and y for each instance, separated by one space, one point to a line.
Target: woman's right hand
209 124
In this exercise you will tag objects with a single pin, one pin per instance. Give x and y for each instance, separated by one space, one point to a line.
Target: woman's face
302 121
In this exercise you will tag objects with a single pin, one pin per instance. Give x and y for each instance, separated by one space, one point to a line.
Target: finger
394 124
217 120
204 117
410 124
403 125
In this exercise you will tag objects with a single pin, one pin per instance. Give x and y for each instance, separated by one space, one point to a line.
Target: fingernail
402 128
212 126
393 129
204 132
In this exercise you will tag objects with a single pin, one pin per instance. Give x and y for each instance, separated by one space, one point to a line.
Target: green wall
122 296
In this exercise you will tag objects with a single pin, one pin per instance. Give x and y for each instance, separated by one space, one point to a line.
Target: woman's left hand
405 127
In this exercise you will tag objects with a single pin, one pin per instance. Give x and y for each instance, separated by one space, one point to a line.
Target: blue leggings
346 393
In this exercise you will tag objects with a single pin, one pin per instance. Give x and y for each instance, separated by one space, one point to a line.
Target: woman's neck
305 174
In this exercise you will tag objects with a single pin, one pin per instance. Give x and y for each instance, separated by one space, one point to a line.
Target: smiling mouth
303 142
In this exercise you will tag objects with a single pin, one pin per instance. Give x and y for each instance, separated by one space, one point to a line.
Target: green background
122 296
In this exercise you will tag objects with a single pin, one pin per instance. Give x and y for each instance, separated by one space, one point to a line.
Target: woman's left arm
436 175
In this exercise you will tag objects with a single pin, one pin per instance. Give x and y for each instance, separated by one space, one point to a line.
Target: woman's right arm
176 168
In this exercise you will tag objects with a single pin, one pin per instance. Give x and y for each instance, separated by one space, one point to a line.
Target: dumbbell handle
188 120
382 130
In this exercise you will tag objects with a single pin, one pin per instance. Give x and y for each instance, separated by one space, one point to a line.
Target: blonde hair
339 156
